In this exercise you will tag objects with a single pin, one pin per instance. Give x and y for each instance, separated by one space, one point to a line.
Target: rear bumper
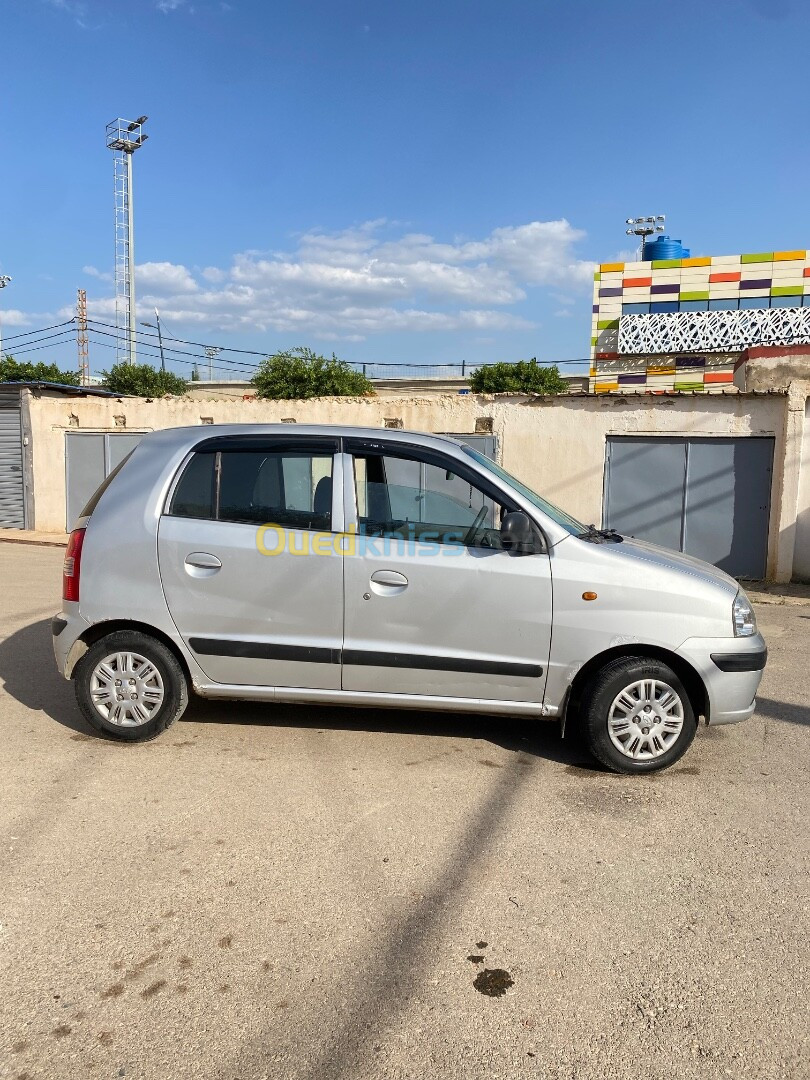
66 628
731 669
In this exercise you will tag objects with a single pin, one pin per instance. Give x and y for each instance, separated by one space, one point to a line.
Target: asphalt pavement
324 894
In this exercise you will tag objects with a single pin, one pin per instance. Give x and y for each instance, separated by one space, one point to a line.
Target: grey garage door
707 497
88 460
12 490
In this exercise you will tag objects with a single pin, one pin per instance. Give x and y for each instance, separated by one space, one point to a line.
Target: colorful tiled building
682 323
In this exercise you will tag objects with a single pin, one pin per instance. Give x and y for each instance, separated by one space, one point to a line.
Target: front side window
416 500
280 486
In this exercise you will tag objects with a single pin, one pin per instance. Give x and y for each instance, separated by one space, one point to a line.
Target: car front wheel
637 716
130 686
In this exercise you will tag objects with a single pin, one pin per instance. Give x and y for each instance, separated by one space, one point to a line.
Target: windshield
568 523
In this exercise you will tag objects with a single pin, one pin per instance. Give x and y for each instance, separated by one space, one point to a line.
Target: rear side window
291 487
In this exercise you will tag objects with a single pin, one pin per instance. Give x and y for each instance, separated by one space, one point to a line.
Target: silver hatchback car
368 568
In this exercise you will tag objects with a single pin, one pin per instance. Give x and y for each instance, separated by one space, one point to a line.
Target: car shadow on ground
29 673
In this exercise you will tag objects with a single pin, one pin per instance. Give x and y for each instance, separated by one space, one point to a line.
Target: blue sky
405 182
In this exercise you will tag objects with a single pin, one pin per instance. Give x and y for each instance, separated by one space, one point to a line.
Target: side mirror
517 534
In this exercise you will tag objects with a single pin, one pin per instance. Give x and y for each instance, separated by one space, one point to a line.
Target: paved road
299 892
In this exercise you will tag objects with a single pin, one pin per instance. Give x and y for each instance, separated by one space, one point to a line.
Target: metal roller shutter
12 492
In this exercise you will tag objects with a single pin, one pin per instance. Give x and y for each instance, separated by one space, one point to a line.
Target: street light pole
156 326
160 341
4 280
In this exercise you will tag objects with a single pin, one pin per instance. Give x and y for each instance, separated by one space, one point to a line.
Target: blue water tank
664 247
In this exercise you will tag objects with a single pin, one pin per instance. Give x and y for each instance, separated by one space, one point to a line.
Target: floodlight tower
642 227
124 137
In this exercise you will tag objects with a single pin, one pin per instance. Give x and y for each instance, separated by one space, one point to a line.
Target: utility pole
81 336
4 280
124 138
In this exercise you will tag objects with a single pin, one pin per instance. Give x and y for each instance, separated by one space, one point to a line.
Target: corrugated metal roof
62 388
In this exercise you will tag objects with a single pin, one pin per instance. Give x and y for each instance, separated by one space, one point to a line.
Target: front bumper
731 669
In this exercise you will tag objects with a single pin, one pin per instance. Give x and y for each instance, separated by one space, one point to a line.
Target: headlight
743 617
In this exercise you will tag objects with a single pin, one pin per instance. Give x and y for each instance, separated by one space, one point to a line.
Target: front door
434 605
251 567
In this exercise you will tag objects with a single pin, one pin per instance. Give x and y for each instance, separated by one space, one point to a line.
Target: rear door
434 605
250 560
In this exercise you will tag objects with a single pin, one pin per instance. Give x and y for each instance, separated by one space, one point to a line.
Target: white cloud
165 277
369 279
77 9
14 317
167 6
92 271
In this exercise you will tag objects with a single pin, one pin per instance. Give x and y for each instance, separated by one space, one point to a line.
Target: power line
42 329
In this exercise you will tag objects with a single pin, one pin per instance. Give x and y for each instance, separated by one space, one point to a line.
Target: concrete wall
801 553
787 367
556 445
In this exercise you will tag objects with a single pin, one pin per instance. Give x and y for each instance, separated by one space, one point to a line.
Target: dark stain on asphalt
187 742
265 965
153 988
489 764
481 944
475 959
181 988
225 942
113 991
18 1047
105 1037
62 1031
494 982
79 737
689 770
185 962
224 988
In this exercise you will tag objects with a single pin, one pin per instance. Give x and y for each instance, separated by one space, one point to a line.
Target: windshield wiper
600 536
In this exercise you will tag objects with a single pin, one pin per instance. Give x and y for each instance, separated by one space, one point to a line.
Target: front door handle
388 582
202 560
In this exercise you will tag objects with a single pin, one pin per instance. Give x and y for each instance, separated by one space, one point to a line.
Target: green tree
300 373
12 370
142 380
524 377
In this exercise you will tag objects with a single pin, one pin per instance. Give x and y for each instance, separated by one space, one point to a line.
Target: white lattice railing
713 331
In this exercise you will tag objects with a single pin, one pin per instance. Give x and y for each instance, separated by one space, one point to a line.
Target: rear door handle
202 560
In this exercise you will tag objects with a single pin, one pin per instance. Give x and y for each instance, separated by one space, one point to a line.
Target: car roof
188 436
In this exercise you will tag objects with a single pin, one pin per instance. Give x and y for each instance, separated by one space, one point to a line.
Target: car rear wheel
130 686
637 716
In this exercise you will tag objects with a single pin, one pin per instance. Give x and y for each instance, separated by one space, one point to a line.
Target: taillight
72 567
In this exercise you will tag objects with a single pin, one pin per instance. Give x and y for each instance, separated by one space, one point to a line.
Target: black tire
174 685
597 701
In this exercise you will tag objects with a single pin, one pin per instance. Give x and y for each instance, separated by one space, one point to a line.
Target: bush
524 377
301 373
12 370
142 380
